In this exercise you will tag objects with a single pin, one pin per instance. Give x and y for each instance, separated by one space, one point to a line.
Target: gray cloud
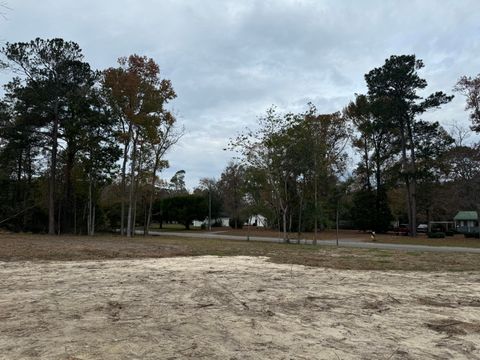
230 60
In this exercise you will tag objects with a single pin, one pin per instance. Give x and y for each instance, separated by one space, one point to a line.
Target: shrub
450 233
436 235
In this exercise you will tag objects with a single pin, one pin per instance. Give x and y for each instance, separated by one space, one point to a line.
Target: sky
231 60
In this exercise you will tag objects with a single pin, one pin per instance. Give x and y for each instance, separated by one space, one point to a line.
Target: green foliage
470 88
184 209
210 189
291 162
393 90
177 183
55 101
371 211
363 206
232 189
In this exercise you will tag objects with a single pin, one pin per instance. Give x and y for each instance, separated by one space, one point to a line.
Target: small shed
466 221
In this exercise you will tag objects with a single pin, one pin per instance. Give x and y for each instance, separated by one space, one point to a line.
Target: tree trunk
91 210
367 164
209 210
68 191
75 214
336 223
89 218
93 220
53 166
132 186
134 217
285 209
124 186
28 191
135 189
145 216
406 171
300 210
284 218
413 182
59 215
290 221
152 192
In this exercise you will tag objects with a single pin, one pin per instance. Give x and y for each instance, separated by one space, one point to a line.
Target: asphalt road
342 242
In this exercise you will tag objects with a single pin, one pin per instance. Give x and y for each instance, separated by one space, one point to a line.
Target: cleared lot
233 308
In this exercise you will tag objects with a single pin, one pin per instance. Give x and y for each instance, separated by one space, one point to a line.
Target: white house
223 220
257 220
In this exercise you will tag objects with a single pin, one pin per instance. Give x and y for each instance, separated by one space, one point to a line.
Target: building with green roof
466 221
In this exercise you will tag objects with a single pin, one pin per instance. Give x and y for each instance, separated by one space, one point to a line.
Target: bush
436 235
472 235
450 233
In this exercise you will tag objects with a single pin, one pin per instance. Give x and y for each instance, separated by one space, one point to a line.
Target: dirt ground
211 307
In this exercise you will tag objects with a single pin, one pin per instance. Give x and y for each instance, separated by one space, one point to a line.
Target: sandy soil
233 308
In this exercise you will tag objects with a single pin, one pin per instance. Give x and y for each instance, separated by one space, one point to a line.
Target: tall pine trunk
67 207
406 170
52 180
124 185
413 182
89 216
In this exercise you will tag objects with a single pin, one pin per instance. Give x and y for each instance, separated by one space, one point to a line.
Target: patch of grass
168 227
384 254
421 239
455 241
14 247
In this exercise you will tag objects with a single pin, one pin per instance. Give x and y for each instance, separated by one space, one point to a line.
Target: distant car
403 229
422 228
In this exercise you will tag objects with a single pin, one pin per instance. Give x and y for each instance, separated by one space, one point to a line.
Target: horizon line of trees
81 150
294 165
65 127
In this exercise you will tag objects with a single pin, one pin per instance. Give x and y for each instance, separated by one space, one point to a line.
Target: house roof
466 215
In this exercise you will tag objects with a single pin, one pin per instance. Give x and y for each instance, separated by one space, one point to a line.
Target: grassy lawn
457 241
421 239
169 227
15 247
321 235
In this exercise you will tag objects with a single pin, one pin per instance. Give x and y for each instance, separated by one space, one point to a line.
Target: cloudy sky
230 60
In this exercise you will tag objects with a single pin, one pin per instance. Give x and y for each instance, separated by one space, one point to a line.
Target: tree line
294 165
70 132
83 149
